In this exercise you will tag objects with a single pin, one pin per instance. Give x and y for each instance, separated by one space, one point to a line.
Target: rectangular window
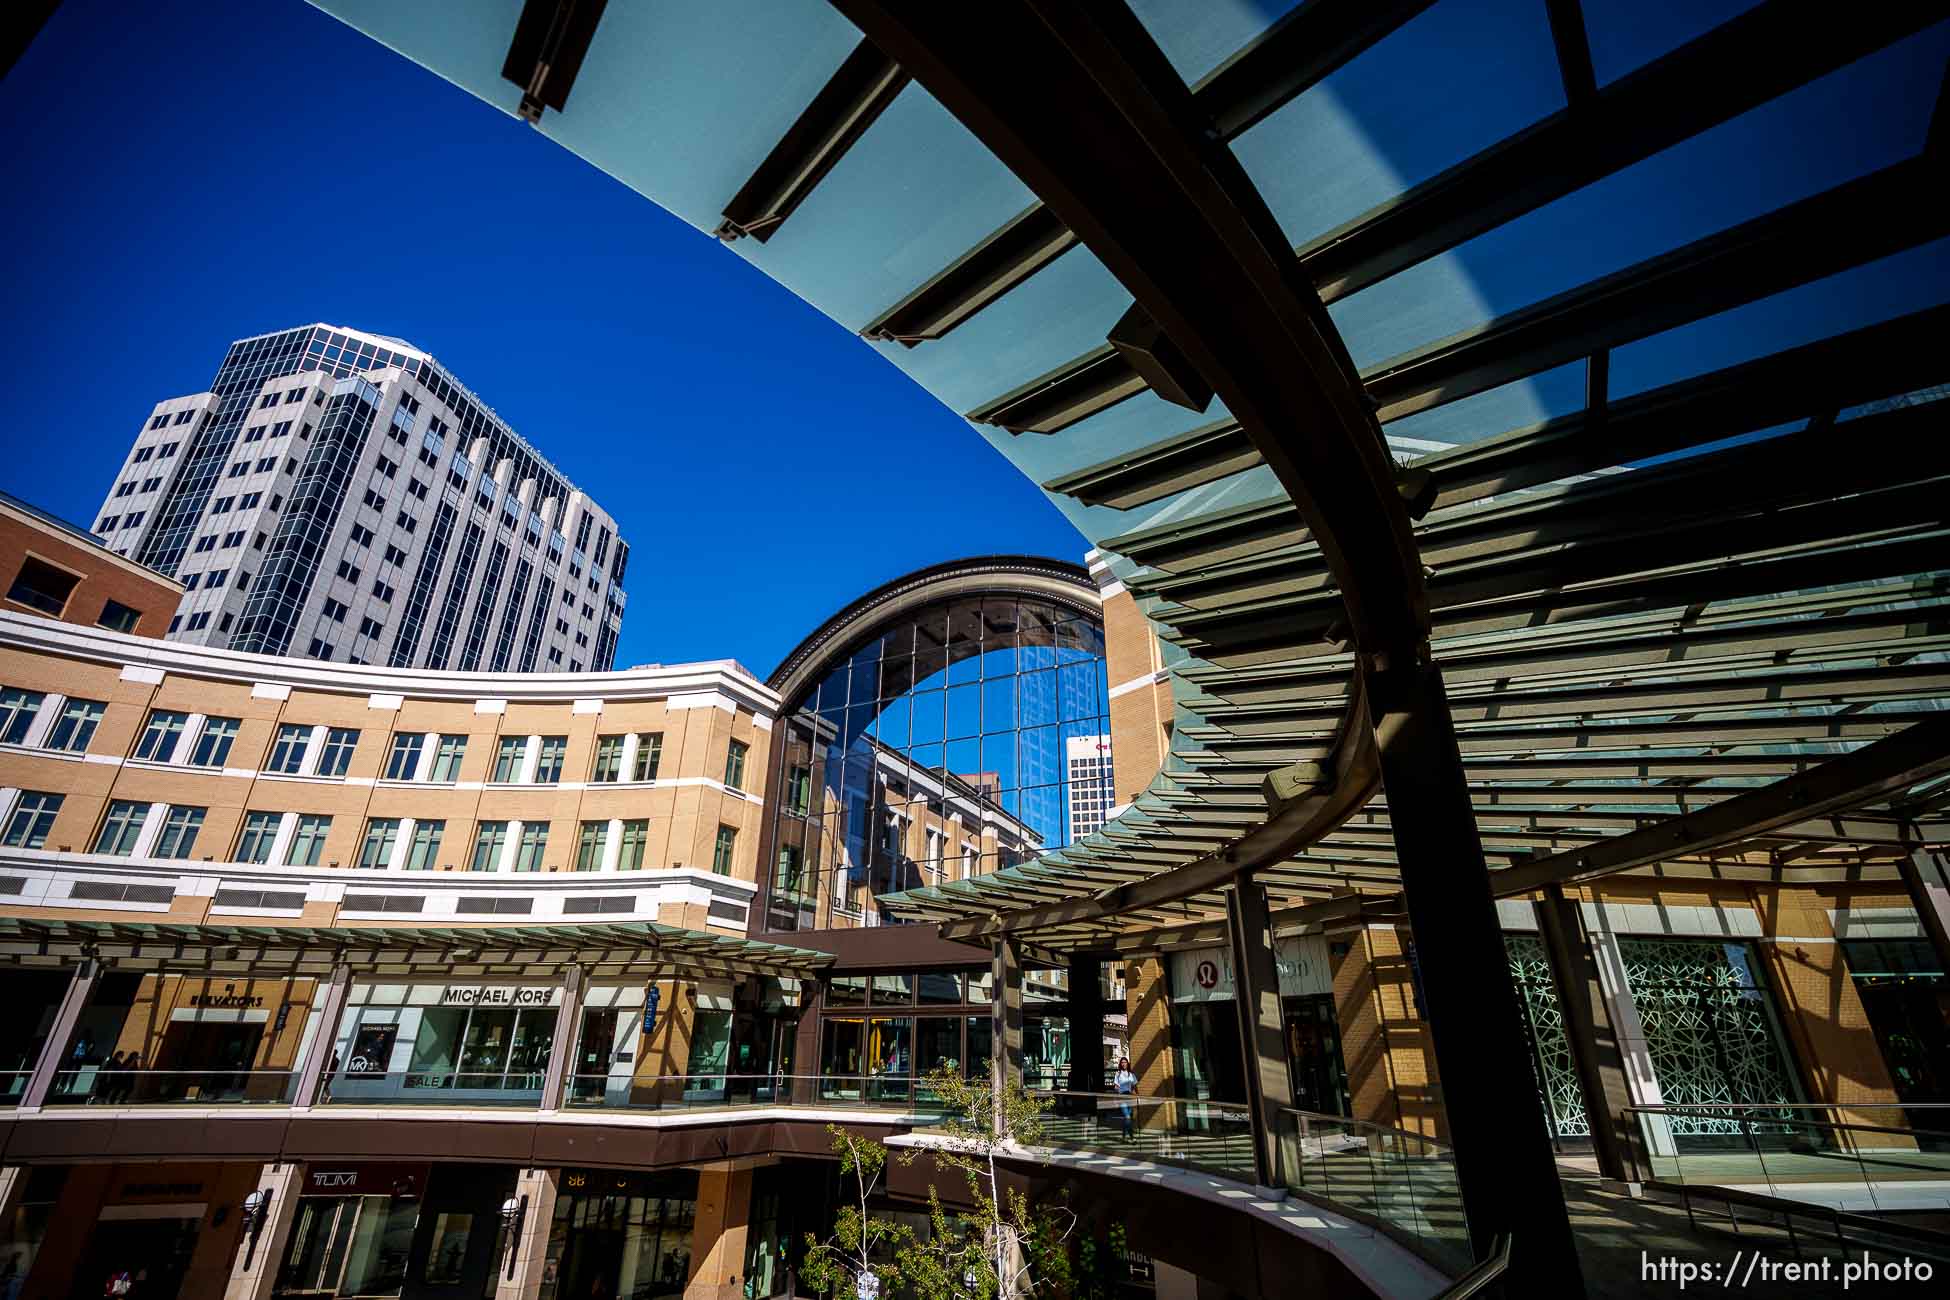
158 739
534 842
17 711
636 835
32 818
376 850
721 855
76 726
121 828
425 847
41 586
336 757
507 758
798 790
117 617
213 746
649 750
589 845
554 749
488 839
179 830
260 833
609 759
288 750
308 843
404 760
446 759
734 765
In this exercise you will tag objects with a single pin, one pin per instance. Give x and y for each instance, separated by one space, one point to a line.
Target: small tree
845 1264
1008 1247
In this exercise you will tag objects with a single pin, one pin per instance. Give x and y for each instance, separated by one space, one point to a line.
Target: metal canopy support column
1086 1009
315 1061
1269 1084
1496 1121
1587 1024
1005 1023
805 1041
565 1047
55 1050
1928 877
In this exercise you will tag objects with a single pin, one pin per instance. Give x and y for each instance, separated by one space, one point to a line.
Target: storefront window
447 1249
839 1058
937 1044
620 1235
710 1050
461 1038
893 990
980 1037
349 1246
846 991
940 988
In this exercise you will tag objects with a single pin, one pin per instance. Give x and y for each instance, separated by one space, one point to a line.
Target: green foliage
1004 1248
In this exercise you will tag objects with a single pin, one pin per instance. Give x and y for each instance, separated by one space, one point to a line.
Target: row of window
32 819
163 731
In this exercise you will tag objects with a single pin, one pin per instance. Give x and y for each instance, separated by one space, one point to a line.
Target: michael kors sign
496 995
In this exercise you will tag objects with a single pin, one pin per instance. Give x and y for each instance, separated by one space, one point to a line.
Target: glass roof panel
1893 286
1797 146
682 102
1461 76
1627 34
912 195
1493 411
1061 313
1198 37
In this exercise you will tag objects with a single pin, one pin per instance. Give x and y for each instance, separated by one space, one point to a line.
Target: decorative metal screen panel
1709 1026
1557 1076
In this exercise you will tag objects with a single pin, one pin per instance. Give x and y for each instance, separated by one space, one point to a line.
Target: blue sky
182 175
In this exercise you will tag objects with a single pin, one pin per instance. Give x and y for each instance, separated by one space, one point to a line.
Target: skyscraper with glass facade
340 495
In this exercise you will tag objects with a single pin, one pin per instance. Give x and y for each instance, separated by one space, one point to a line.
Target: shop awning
618 949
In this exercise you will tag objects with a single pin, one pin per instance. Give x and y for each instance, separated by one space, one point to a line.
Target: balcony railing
104 1085
727 1091
1867 1158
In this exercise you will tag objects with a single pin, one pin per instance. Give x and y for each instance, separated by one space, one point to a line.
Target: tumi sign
359 1179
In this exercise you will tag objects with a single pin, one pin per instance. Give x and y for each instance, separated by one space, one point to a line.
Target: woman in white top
1126 1084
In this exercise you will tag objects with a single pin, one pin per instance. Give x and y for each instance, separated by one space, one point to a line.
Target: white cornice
721 677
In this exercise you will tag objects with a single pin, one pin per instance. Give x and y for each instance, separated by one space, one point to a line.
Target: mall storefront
880 1031
1206 1051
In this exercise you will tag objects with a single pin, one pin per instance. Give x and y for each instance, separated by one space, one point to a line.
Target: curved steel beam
1055 580
1354 775
1077 99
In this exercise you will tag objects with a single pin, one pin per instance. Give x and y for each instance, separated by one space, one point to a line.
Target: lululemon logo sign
1207 974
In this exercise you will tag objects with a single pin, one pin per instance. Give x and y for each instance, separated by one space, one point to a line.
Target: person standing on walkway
1125 1084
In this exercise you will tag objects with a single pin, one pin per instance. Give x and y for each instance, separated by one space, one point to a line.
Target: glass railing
105 1085
13 1086
1212 1136
723 1091
432 1088
1401 1182
1858 1158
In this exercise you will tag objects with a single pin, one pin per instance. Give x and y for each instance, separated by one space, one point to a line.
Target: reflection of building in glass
1087 760
929 744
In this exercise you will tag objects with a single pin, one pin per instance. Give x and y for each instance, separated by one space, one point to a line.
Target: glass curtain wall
938 750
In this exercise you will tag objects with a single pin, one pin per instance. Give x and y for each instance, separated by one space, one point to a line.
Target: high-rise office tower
340 495
1087 760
